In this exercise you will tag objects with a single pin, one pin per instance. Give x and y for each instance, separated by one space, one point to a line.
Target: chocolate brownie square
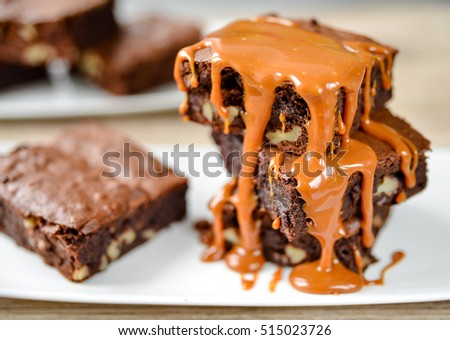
289 133
35 32
140 56
64 202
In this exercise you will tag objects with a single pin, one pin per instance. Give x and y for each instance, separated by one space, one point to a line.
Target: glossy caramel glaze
268 52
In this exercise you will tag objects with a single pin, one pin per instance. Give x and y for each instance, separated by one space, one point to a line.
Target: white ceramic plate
168 270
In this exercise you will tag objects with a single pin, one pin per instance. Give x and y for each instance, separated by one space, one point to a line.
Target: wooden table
422 96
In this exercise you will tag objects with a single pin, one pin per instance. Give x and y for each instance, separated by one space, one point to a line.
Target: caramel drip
372 53
274 170
216 250
276 223
275 164
341 125
323 196
268 52
396 258
184 108
401 196
248 283
282 118
275 279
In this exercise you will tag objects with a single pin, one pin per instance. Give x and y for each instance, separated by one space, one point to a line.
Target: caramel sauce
216 250
268 52
184 107
248 283
372 53
274 168
401 196
311 278
276 223
282 118
275 279
341 125
396 258
323 196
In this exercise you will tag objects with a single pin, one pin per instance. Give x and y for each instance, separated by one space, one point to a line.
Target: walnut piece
231 235
28 33
81 273
38 54
389 185
278 136
91 64
295 255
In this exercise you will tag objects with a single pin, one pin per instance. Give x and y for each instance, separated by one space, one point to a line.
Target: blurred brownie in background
140 56
35 32
13 74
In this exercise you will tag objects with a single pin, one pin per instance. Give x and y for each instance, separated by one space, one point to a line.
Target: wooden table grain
422 96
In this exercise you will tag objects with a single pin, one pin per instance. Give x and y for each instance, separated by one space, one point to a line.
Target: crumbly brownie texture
287 101
139 57
279 250
13 74
55 202
34 32
286 202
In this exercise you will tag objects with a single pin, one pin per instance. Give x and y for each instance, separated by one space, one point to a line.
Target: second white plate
77 98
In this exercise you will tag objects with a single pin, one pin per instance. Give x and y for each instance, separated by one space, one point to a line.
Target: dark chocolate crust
287 101
34 32
57 201
286 202
140 56
13 74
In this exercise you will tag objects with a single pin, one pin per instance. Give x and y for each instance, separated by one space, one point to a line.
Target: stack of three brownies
322 160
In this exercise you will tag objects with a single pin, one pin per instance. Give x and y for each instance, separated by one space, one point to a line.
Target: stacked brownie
123 59
291 244
139 56
284 227
34 33
86 199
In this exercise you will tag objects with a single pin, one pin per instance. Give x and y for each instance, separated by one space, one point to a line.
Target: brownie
140 56
279 250
290 243
286 202
34 32
62 201
15 74
287 101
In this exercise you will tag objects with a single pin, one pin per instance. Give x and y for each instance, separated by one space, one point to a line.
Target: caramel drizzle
248 280
323 196
275 279
267 52
282 119
276 223
274 171
372 53
216 250
401 196
396 258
